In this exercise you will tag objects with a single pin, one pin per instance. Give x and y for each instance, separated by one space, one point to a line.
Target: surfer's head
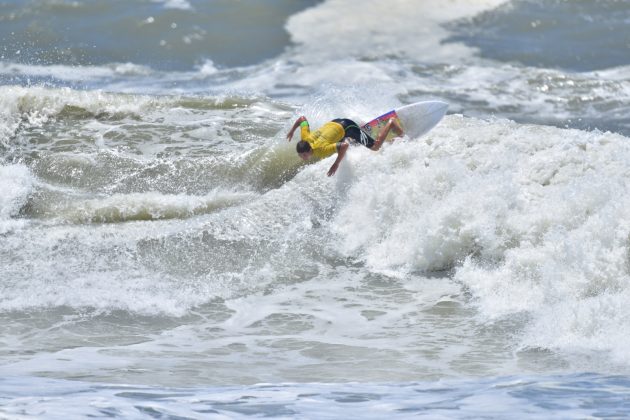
304 150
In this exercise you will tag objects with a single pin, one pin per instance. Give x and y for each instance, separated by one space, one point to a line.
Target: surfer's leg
392 123
358 136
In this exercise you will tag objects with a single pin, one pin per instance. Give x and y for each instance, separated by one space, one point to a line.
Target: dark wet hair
303 146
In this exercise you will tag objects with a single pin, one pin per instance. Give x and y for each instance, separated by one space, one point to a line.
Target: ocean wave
75 73
23 107
530 218
526 94
89 121
16 184
147 206
580 395
483 184
151 205
37 104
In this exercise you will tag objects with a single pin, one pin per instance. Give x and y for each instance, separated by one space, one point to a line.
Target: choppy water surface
164 251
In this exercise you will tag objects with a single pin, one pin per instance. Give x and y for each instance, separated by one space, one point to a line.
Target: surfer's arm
342 147
296 124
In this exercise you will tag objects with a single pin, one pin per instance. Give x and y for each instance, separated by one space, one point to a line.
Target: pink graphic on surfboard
416 119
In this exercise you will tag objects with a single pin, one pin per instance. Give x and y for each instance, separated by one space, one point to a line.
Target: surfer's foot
391 124
397 128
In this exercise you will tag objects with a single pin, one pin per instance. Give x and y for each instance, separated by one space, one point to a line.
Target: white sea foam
16 183
208 68
144 206
373 28
175 4
35 105
532 219
100 269
74 73
494 201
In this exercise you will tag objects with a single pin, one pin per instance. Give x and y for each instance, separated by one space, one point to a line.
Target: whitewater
165 253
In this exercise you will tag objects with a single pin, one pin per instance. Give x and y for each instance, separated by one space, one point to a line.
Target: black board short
354 132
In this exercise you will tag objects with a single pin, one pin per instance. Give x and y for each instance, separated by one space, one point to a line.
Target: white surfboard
416 119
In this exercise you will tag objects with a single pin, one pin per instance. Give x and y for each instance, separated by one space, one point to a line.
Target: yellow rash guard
324 140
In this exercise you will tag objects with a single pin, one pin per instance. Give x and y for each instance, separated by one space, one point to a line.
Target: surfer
333 137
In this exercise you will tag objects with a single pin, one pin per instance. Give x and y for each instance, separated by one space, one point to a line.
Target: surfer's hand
296 124
342 148
333 169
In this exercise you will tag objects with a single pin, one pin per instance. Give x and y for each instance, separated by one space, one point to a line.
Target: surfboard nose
420 117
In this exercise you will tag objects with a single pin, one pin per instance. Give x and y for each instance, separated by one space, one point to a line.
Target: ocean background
164 253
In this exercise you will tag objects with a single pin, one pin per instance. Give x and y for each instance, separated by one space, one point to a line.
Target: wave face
157 228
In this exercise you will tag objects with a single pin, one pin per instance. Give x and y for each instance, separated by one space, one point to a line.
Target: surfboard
416 119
